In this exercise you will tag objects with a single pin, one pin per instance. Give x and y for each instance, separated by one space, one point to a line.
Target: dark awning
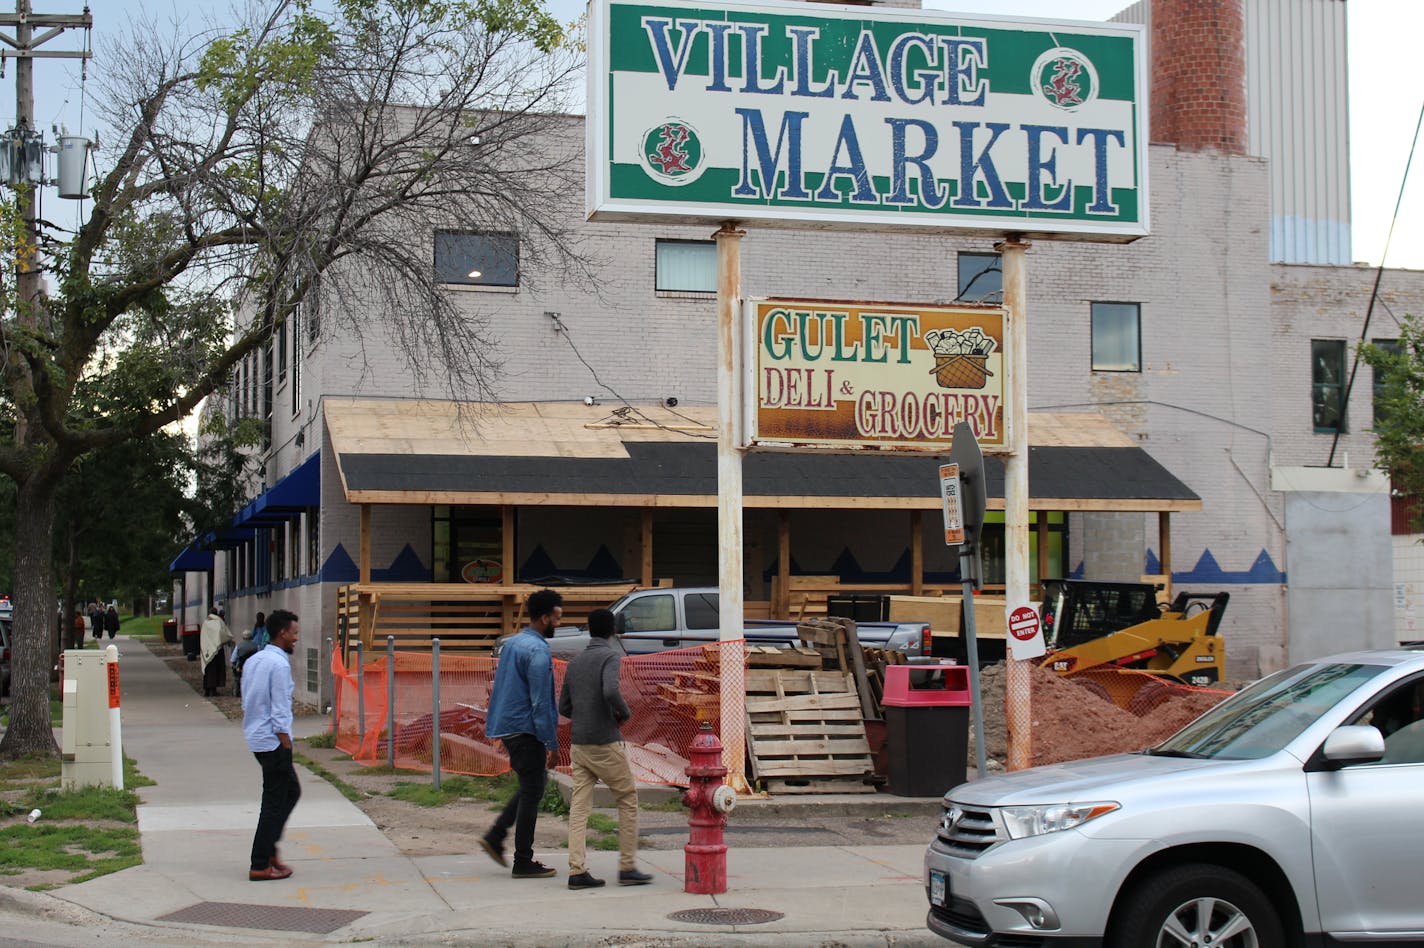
391 452
192 560
227 538
285 500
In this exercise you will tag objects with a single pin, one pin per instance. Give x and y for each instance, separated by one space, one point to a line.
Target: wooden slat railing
465 617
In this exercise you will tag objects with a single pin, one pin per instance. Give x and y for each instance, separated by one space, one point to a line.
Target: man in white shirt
267 726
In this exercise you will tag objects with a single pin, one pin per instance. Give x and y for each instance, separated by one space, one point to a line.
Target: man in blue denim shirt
267 726
523 714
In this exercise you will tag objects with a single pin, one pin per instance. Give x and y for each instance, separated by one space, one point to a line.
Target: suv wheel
1196 905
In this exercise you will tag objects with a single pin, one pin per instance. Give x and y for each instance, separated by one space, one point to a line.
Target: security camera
590 400
670 401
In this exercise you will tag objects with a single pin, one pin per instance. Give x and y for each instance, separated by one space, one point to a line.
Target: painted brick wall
1199 75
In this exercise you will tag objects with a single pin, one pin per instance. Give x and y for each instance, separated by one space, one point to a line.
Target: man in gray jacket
591 700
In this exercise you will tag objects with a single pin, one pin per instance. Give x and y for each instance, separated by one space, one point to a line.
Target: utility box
86 755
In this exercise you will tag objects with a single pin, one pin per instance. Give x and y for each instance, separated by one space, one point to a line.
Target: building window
266 406
1391 347
469 259
296 361
686 266
281 333
981 278
1117 337
1327 385
312 523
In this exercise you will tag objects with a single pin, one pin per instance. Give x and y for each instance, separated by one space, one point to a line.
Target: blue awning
228 538
286 499
192 560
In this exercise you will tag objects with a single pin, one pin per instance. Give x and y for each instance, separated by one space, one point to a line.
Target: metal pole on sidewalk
435 717
391 701
335 685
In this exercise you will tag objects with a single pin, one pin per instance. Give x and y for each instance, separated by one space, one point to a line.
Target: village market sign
794 114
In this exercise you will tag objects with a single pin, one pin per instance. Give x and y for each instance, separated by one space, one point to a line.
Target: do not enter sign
1025 632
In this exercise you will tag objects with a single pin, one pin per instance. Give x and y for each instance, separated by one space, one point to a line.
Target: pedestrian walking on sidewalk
591 700
259 631
213 639
267 726
523 714
111 621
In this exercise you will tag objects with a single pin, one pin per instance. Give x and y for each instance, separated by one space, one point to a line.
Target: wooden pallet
805 732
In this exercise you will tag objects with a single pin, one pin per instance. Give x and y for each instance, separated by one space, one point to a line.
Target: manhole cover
725 916
276 918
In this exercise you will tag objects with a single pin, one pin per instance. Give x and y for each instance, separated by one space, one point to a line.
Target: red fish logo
1065 79
672 152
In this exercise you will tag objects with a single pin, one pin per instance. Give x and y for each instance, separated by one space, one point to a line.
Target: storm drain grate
725 916
276 918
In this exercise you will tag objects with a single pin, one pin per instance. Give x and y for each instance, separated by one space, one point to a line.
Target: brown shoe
278 864
270 873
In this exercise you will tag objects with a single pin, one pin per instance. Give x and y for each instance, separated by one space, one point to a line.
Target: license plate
938 888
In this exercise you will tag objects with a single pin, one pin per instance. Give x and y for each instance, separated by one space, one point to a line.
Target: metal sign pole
435 716
391 701
1017 695
729 503
969 573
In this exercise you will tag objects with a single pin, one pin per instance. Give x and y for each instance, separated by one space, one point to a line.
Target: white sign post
949 499
1025 633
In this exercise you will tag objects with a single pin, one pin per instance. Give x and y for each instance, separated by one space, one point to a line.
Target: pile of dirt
1074 718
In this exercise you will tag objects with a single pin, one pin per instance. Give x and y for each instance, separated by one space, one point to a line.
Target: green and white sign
803 114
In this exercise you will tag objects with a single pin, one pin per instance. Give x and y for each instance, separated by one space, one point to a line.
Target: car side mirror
620 623
1353 744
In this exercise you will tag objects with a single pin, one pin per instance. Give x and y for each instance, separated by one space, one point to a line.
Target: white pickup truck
656 620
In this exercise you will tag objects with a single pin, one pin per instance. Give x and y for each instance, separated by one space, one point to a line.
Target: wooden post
1041 532
1017 695
365 610
645 547
917 552
781 608
509 570
729 503
1164 541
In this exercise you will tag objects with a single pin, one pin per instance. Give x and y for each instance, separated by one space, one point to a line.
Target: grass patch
133 777
381 771
82 803
24 773
143 627
349 792
598 823
326 739
88 850
673 805
454 789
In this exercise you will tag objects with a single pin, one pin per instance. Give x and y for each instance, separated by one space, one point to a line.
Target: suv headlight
1023 821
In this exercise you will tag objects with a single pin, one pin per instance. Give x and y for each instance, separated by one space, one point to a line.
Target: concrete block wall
1408 587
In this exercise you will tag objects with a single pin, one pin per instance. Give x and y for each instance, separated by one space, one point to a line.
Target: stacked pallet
805 733
696 694
875 661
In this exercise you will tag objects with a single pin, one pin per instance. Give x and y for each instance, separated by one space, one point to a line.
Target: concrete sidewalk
351 883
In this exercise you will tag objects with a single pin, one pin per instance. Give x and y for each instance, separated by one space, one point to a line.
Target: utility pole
25 49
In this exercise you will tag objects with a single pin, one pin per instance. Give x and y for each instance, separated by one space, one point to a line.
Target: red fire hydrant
710 801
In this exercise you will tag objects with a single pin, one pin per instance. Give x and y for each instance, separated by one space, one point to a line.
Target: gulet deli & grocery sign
794 114
857 376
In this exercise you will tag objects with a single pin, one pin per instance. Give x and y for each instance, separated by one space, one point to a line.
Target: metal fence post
435 719
391 701
360 697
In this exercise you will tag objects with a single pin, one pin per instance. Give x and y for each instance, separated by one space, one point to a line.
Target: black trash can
191 642
926 729
170 631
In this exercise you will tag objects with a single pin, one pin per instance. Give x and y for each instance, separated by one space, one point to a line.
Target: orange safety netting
669 694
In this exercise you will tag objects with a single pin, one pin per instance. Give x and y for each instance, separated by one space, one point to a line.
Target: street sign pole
968 463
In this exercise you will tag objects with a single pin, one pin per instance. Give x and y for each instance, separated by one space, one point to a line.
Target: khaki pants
609 763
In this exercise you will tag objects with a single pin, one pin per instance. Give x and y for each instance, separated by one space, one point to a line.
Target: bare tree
256 162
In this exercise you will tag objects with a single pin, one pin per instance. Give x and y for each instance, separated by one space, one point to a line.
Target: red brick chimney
1199 75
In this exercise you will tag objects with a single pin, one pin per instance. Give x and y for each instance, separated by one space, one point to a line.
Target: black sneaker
494 852
533 870
584 880
633 877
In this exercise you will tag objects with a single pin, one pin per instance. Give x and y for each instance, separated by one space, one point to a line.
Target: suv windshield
1269 715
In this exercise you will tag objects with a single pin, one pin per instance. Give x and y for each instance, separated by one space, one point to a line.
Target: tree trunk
29 732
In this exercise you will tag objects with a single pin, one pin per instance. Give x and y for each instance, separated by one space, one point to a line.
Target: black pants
215 673
280 793
527 756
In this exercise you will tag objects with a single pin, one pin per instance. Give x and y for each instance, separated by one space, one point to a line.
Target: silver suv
1290 814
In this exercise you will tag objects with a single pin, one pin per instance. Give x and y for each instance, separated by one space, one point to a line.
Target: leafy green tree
1399 411
251 165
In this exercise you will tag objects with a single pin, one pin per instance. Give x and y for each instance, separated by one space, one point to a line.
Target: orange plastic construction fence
664 691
